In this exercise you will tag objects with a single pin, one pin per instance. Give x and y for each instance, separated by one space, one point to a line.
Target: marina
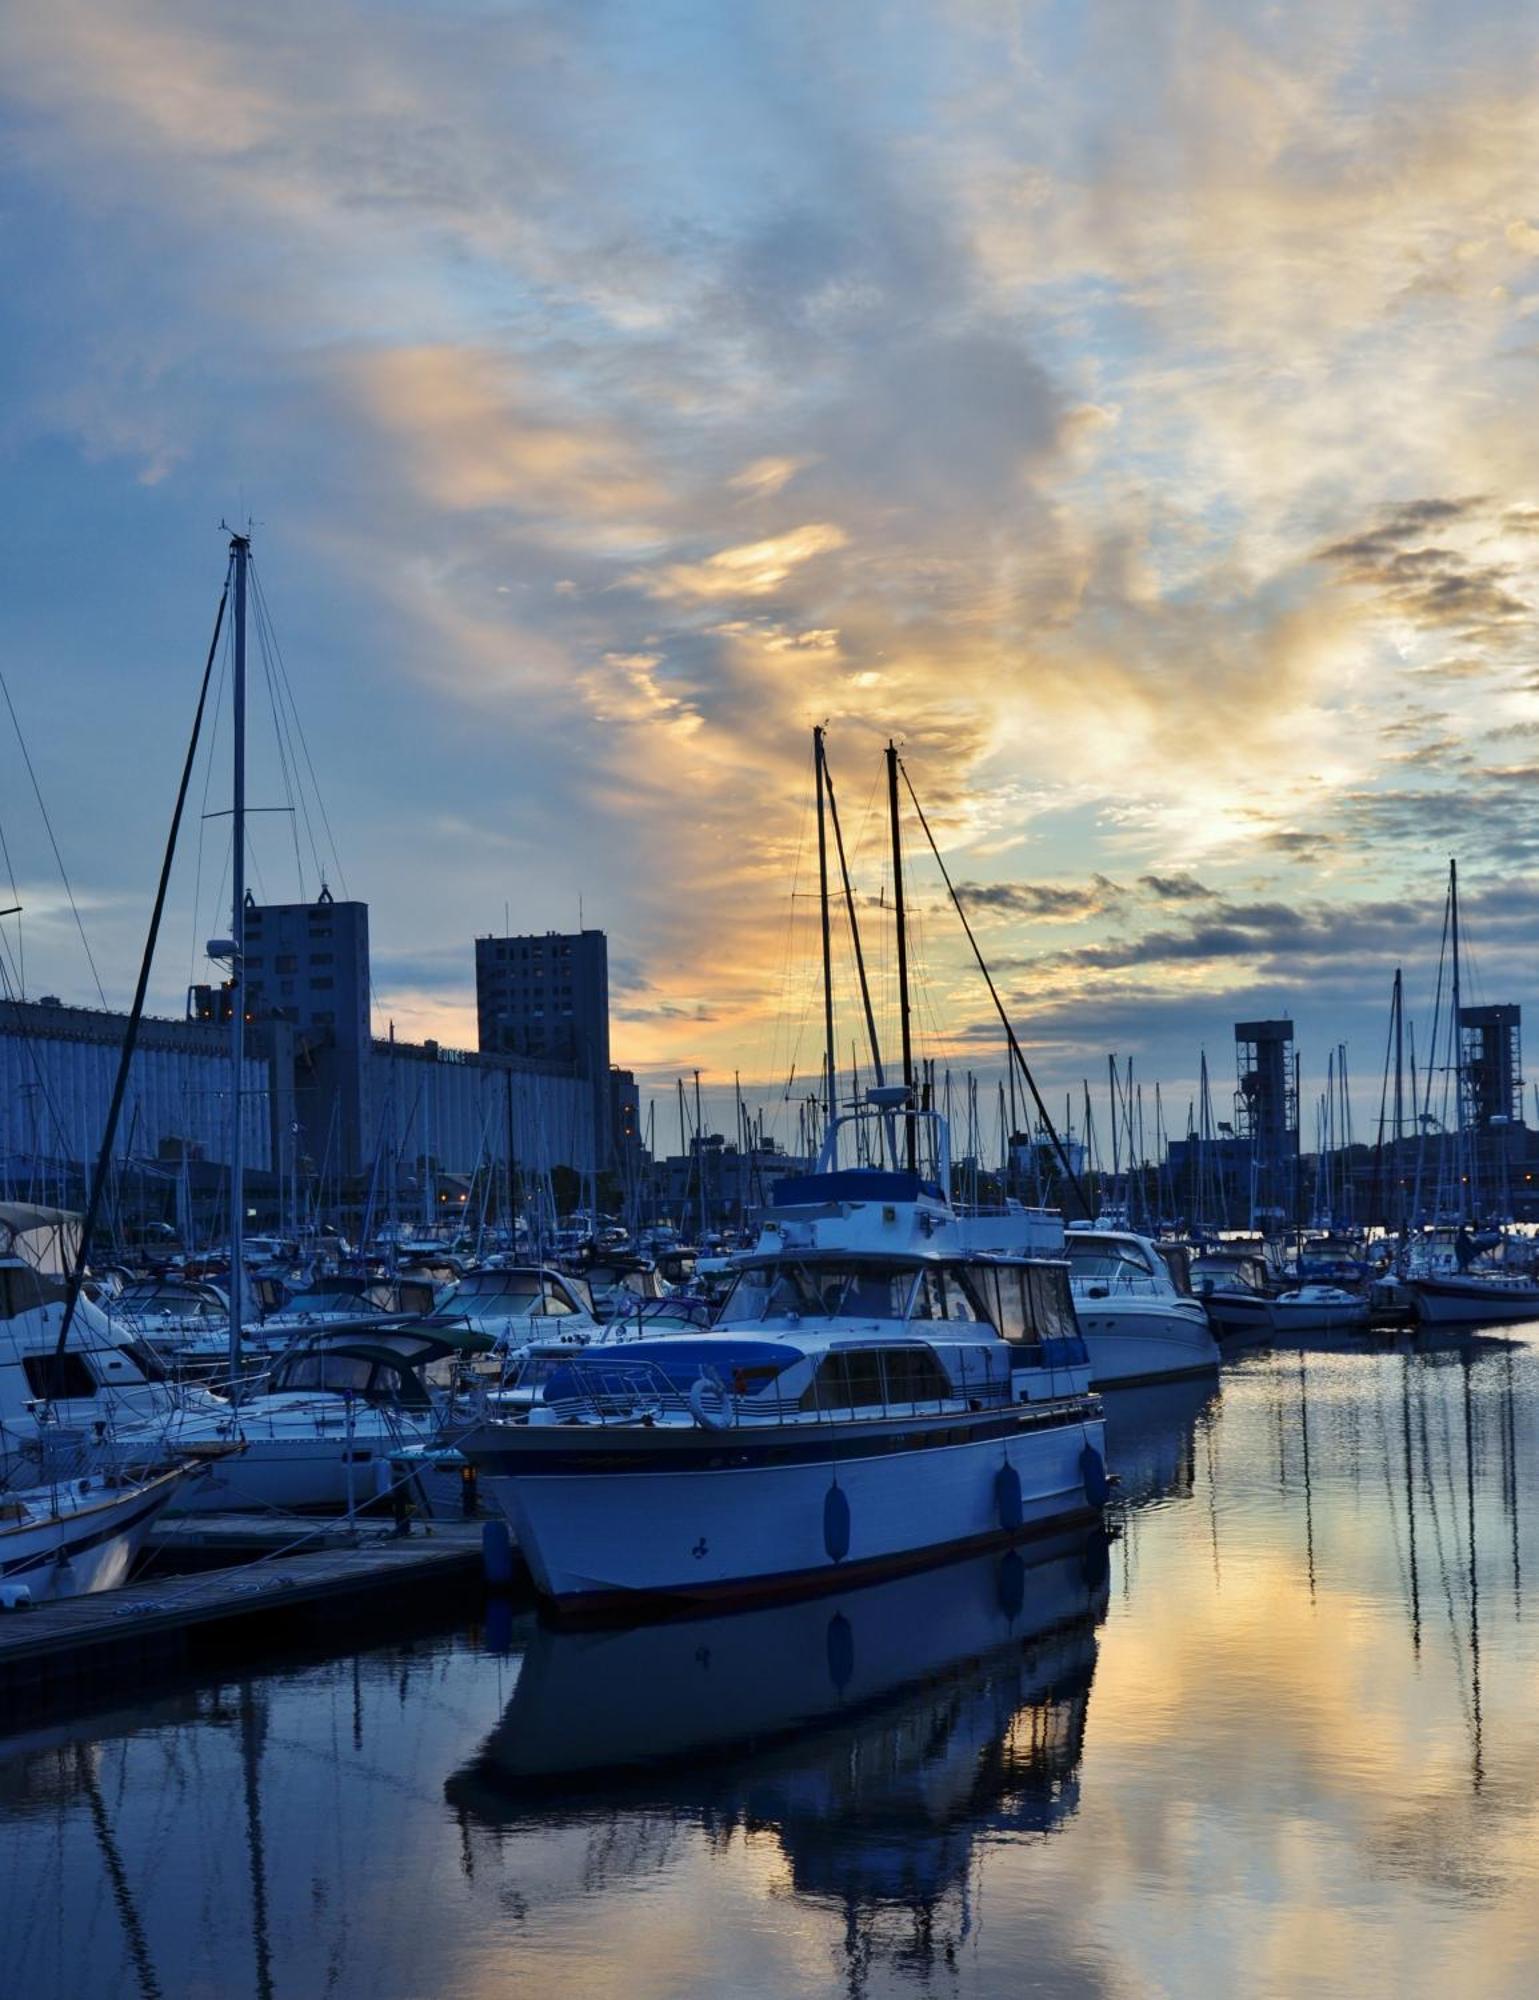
1279 1718
769 1205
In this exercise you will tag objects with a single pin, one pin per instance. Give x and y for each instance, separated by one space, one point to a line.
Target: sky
1127 410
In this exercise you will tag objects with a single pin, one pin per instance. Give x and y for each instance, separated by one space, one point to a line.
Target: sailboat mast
828 958
1456 1042
240 551
902 934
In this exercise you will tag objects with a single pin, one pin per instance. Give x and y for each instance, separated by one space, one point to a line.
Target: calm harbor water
1280 1736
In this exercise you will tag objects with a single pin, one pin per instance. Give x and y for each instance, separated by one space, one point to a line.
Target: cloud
1053 902
1176 888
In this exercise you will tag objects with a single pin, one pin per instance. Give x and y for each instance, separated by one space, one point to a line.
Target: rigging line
21 958
1071 1178
281 744
131 1032
283 730
304 745
37 792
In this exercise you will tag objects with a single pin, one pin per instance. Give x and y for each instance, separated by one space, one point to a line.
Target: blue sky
1129 409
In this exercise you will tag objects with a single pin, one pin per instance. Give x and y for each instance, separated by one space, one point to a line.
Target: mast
1456 1045
818 758
240 552
902 930
700 1158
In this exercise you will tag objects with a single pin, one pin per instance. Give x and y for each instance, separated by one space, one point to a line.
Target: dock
64 1653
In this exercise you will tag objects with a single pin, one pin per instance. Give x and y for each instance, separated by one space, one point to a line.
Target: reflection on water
1285 1739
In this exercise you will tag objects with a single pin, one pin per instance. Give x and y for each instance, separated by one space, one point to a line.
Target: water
1282 1737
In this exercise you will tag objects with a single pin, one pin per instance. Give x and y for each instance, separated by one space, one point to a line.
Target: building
547 997
326 1104
1491 1065
307 964
58 1066
1266 1105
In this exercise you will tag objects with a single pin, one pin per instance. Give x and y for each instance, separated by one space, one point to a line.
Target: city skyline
613 402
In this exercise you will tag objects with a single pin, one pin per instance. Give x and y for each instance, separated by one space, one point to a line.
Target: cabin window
556 1301
857 1378
23 1290
948 1293
1003 1289
58 1378
1052 1303
339 1372
820 1290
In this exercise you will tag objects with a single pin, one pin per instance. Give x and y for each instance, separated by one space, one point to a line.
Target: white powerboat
515 1304
1232 1288
1319 1309
74 1536
337 1406
1138 1324
1474 1297
873 1396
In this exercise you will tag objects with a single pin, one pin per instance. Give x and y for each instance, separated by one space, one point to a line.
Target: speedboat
1232 1286
1474 1297
1138 1322
1319 1309
874 1396
77 1535
106 1380
515 1304
337 1406
340 1300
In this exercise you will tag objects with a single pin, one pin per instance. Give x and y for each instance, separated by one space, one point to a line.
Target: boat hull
606 1520
1239 1316
1466 1302
90 1544
1131 1341
317 1473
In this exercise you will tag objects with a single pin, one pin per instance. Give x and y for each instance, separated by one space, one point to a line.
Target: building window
286 962
320 985
320 958
323 1017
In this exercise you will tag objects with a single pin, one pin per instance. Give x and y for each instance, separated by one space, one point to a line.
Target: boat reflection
879 1735
1151 1436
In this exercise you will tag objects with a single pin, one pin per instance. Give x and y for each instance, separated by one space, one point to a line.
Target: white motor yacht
874 1396
83 1528
342 1299
107 1381
515 1304
319 1438
1319 1309
1139 1324
1232 1285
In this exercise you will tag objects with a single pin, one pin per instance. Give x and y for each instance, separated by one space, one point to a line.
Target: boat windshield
1105 1264
328 1292
511 1291
820 1290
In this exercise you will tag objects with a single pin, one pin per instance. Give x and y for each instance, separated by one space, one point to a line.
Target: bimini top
852 1184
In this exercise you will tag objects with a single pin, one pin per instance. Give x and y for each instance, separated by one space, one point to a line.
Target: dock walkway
61 1652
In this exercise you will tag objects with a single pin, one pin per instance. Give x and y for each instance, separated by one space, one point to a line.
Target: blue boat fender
1092 1472
497 1554
836 1524
1007 1496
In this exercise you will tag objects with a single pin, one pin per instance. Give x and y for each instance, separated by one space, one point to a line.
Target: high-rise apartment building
548 996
